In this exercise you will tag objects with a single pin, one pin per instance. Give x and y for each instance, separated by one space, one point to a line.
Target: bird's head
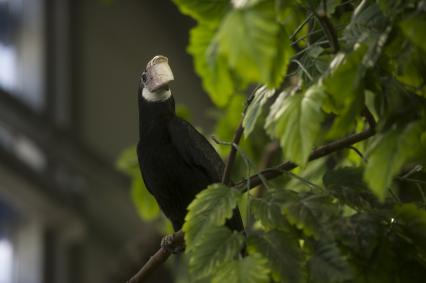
156 78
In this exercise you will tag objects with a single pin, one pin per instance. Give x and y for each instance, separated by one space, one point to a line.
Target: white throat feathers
157 96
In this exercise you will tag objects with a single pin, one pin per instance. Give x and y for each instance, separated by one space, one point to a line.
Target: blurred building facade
68 77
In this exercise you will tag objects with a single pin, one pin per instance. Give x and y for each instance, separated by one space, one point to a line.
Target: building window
7 216
6 260
22 56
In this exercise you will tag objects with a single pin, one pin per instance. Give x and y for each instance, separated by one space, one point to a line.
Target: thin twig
329 30
309 48
303 180
415 169
422 194
303 69
299 28
226 176
394 196
357 151
312 33
269 153
158 258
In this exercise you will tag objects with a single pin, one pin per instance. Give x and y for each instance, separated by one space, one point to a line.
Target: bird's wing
195 149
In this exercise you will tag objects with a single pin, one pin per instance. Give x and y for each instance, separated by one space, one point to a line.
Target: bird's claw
168 243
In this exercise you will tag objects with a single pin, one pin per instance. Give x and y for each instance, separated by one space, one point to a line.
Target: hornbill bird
175 160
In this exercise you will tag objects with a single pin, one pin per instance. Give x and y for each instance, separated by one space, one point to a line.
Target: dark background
69 71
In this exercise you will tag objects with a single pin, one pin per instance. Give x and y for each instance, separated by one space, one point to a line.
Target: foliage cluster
357 215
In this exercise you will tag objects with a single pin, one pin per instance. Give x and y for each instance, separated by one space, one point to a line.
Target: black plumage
176 161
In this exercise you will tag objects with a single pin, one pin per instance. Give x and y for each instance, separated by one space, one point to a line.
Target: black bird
175 160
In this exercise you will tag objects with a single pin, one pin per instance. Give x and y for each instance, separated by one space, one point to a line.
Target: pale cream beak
158 72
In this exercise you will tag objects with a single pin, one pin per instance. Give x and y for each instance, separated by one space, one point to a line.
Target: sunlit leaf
128 161
182 111
297 123
388 154
211 207
218 245
283 253
344 88
284 53
209 65
204 11
143 200
250 269
254 110
249 39
290 15
228 121
145 203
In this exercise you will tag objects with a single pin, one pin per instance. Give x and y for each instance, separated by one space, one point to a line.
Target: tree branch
321 151
226 176
269 153
158 258
328 28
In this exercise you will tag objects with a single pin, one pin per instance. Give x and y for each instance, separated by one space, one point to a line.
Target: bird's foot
168 242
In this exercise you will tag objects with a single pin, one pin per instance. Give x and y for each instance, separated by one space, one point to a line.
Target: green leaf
211 66
284 53
249 39
360 234
228 120
254 110
283 253
344 89
410 70
388 154
312 213
218 245
145 203
290 14
250 269
393 9
211 207
182 111
382 265
268 208
128 161
414 28
347 185
204 11
329 265
413 220
366 23
296 121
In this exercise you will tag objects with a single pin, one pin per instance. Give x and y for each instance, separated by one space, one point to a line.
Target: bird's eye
144 78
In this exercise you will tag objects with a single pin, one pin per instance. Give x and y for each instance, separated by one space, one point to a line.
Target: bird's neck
154 116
